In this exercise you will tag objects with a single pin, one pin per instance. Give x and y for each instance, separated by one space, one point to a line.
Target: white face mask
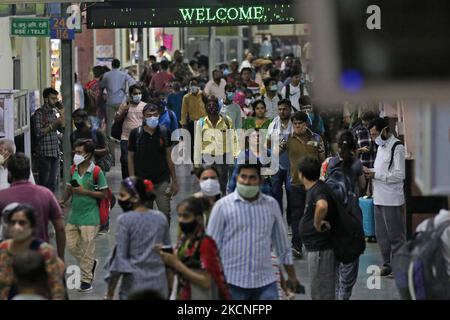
210 187
379 140
248 101
78 159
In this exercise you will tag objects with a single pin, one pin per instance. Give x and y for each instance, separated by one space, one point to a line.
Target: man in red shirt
40 198
162 80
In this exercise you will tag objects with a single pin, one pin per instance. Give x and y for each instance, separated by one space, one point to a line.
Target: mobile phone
74 183
167 249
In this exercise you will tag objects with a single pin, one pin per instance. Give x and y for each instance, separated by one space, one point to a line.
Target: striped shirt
244 233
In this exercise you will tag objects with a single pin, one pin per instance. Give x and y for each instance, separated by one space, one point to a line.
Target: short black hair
286 102
304 100
296 71
48 91
368 116
267 81
87 144
133 87
164 64
152 57
309 167
29 212
246 69
299 116
194 79
257 166
80 114
29 269
97 71
379 124
274 72
19 167
206 99
115 63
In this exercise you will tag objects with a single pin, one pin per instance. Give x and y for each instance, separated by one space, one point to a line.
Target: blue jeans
48 171
269 292
282 177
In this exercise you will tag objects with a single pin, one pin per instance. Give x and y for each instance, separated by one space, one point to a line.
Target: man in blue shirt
115 82
175 99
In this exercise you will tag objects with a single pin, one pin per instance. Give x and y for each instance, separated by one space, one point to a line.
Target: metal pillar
212 50
67 92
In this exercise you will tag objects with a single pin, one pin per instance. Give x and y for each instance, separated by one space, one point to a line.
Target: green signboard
30 27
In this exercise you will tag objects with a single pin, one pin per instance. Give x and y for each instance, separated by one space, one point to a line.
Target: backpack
391 162
104 205
347 233
420 268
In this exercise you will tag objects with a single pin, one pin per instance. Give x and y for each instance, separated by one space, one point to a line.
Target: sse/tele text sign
141 16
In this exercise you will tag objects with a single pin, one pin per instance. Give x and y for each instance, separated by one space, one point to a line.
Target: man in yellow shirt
192 109
214 141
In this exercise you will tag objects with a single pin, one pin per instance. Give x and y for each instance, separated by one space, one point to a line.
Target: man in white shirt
7 148
388 177
216 86
293 90
271 97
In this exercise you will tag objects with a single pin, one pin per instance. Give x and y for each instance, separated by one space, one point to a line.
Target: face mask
194 89
230 96
247 191
152 122
274 88
78 159
19 234
188 227
137 98
248 102
379 140
210 187
126 205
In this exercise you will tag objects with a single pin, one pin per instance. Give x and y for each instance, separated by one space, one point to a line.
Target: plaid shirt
362 136
48 143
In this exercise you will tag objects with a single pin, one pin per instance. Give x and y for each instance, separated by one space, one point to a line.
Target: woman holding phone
199 273
139 230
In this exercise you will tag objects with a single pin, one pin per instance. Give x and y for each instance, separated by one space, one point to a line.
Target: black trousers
298 202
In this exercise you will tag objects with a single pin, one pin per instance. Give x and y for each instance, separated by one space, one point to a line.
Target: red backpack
104 205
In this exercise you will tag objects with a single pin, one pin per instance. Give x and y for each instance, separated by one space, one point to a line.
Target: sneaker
94 267
85 287
385 271
102 232
289 231
297 253
371 240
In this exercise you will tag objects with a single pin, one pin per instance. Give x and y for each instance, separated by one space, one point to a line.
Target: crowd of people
232 239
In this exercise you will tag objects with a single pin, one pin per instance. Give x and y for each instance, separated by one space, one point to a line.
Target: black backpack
347 233
420 268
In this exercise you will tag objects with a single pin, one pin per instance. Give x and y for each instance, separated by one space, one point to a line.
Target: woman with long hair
199 273
21 222
139 230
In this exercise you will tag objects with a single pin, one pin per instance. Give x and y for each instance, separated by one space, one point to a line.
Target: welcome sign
115 15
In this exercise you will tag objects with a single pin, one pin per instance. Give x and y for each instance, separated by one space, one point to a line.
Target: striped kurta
244 233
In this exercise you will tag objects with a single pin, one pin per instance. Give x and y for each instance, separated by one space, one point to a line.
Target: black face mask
188 227
126 205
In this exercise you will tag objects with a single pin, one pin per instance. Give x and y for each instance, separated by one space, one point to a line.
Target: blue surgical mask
230 96
274 88
152 122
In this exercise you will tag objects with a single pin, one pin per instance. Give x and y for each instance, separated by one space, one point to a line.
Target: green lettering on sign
29 27
224 15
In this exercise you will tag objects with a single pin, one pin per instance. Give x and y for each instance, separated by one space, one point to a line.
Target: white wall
6 63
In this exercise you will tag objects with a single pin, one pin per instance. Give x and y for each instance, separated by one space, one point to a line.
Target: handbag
117 127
